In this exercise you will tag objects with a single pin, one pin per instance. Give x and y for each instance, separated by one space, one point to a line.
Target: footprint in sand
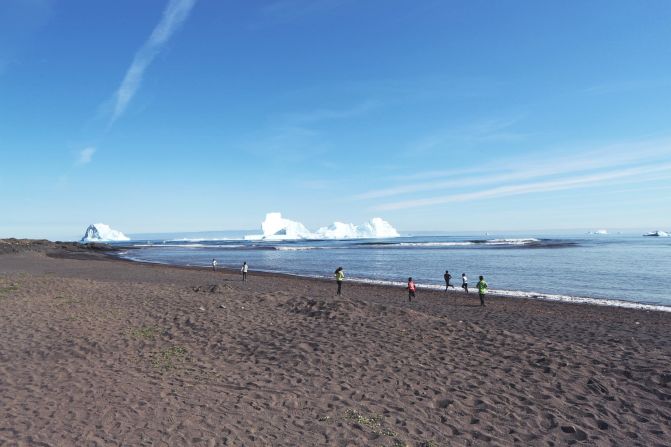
602 425
574 432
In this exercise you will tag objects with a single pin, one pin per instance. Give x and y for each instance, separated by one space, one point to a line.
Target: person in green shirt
340 275
482 290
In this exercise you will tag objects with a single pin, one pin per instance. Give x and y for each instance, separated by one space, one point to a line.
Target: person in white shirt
214 265
244 269
464 282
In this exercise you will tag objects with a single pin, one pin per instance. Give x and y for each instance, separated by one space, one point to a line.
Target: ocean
623 270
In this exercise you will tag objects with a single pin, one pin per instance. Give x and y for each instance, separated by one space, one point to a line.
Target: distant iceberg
601 232
657 233
276 227
103 233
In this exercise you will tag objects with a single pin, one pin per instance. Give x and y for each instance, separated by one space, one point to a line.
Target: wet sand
102 352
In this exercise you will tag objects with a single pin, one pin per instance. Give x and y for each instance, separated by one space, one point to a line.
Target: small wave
532 295
435 244
475 242
160 245
526 241
581 300
202 239
295 248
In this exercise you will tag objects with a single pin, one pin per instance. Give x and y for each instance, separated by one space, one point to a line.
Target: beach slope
95 351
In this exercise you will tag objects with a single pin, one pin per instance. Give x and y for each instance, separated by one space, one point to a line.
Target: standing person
214 265
411 289
244 270
464 282
339 275
482 290
447 277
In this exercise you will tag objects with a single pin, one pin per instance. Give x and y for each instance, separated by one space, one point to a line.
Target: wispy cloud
493 130
548 165
85 156
325 114
625 86
640 161
175 13
536 187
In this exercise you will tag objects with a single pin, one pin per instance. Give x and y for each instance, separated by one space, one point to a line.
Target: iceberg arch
103 233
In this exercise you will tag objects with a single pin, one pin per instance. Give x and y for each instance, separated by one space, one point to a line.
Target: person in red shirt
411 289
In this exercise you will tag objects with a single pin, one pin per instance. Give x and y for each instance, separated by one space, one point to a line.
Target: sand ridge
100 352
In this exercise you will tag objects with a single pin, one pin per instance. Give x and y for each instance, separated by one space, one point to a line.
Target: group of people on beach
412 287
244 269
481 285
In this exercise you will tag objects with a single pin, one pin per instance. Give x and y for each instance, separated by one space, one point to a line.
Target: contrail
175 13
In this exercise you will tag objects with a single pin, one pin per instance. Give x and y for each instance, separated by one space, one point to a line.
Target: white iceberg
103 233
600 232
657 233
374 228
275 227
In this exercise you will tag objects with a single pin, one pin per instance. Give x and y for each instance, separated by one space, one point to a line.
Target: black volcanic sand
100 352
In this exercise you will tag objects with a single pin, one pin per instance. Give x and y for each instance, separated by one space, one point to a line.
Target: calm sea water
618 267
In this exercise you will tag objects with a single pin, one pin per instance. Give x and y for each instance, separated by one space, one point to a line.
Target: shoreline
509 294
118 352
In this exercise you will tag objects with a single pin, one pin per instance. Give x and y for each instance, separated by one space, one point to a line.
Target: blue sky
189 115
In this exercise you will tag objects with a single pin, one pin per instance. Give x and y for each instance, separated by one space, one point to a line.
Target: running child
411 289
447 278
464 282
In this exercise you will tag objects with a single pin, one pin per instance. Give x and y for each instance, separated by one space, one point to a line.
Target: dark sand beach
102 352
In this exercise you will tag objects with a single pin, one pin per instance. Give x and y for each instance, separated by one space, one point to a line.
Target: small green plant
428 444
374 422
145 332
165 360
384 432
8 289
368 421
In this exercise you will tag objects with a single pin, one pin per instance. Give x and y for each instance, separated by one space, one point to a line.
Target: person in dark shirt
447 278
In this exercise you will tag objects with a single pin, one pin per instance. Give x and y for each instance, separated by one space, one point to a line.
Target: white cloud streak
608 157
492 130
86 155
528 188
175 13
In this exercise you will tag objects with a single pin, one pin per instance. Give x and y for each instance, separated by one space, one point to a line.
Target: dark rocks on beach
211 288
13 245
665 378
